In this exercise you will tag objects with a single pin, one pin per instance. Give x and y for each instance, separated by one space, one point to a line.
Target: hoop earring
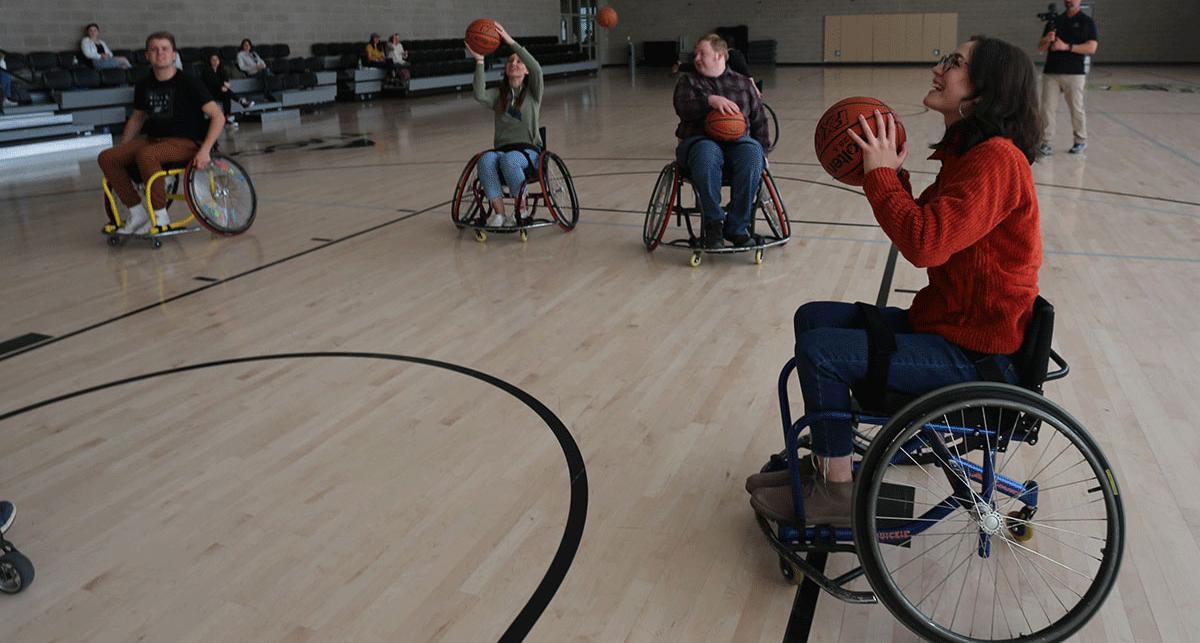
960 111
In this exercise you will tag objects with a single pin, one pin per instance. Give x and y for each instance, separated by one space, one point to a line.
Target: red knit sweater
976 229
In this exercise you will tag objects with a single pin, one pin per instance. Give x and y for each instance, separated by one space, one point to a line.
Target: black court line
568 545
208 279
790 220
188 293
804 607
17 343
908 291
321 239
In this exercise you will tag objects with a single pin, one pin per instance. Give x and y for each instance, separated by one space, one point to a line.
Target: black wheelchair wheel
772 128
957 554
559 191
16 572
467 188
772 207
222 196
662 202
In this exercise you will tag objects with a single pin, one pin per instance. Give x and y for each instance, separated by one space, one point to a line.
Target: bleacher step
38 119
34 133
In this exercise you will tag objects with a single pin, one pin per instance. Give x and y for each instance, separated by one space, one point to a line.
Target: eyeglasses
952 61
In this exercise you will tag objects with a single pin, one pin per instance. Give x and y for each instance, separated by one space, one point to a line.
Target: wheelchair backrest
1033 358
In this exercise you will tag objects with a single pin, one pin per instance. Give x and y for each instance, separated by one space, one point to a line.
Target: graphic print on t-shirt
161 102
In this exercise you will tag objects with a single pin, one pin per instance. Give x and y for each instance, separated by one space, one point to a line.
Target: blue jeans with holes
511 165
706 161
831 352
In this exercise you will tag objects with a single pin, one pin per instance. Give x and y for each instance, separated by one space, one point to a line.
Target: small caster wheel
16 572
695 260
1021 532
157 244
480 236
114 241
524 236
787 571
758 257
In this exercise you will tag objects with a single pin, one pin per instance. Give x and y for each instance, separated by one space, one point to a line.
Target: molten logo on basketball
847 153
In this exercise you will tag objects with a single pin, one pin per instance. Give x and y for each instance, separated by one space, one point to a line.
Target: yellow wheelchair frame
176 227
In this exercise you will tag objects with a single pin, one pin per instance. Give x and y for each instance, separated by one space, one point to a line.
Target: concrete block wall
1130 30
57 25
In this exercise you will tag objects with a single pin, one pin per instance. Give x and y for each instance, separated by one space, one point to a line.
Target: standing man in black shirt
170 107
1066 42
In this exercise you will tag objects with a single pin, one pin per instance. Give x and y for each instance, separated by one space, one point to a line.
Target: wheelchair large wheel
222 196
772 207
772 128
559 191
1018 541
16 572
468 204
662 203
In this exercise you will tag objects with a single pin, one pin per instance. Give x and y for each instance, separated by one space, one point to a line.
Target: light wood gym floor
352 498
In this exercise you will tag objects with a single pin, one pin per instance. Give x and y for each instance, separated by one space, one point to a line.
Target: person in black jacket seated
216 79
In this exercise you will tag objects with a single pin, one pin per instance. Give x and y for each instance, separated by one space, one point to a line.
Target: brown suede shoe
808 471
825 503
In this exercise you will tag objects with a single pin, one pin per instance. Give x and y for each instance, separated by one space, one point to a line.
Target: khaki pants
149 155
1072 86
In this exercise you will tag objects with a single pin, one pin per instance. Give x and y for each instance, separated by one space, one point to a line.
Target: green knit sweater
511 130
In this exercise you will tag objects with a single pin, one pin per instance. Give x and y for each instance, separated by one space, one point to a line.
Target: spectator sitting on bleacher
98 52
397 56
6 83
375 56
170 106
249 62
216 79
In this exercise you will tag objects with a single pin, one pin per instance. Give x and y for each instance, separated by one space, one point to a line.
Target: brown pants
149 154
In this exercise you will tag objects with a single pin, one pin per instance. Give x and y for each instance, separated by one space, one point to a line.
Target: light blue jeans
511 165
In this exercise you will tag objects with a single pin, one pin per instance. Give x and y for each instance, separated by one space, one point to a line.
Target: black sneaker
740 240
712 234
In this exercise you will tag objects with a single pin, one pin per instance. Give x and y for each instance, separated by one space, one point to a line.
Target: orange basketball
482 36
724 127
838 153
607 17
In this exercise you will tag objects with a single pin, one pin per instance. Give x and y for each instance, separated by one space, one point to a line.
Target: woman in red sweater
976 231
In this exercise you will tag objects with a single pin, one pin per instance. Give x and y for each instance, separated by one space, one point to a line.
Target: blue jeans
109 63
706 161
511 165
831 352
5 84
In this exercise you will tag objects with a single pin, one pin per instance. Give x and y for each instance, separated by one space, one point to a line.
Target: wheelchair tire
1069 546
221 196
772 128
773 209
468 186
558 191
16 572
662 203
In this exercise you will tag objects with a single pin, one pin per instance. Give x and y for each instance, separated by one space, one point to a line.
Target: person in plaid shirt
713 86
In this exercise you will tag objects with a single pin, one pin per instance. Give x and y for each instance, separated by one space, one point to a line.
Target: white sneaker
496 220
510 221
137 221
10 103
162 218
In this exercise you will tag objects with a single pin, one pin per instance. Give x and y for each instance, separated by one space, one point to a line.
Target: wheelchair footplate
116 237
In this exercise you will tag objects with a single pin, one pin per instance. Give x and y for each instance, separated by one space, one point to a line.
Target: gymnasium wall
1130 30
57 25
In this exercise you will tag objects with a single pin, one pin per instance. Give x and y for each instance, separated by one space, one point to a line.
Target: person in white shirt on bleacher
98 52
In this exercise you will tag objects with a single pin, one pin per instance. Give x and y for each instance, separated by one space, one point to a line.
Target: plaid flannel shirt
691 103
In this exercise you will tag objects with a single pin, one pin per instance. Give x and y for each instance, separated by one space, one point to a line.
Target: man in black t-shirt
170 107
1066 42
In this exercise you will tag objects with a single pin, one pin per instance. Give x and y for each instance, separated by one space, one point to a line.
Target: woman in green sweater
516 103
